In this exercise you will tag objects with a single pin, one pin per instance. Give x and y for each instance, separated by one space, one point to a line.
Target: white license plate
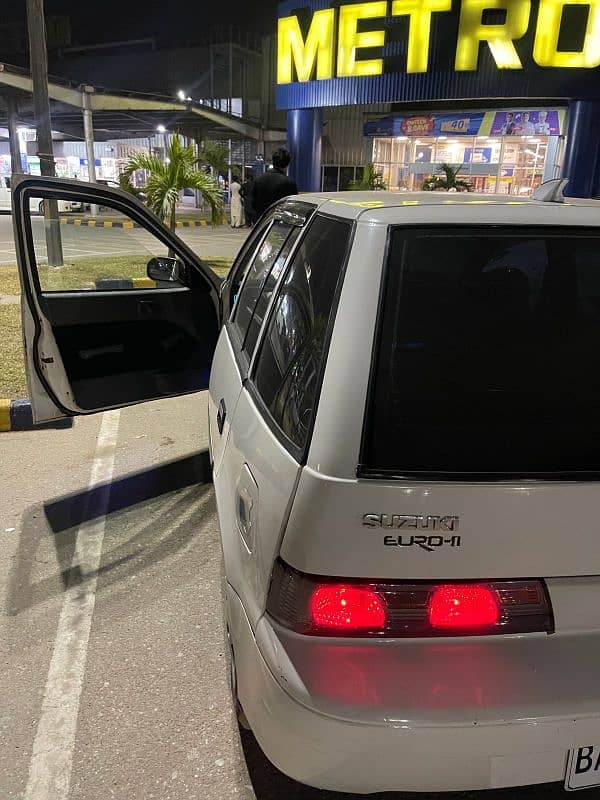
583 768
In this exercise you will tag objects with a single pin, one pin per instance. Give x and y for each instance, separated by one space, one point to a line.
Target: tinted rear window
487 361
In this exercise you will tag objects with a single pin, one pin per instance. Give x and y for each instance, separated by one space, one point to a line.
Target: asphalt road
209 242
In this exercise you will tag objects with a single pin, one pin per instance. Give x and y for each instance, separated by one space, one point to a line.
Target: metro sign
331 47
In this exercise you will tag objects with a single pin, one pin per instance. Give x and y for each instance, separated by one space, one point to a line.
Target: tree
168 179
370 181
215 156
448 182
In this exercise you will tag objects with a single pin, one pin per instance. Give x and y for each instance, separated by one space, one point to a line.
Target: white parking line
52 755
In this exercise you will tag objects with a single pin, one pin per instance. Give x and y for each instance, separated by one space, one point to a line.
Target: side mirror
167 270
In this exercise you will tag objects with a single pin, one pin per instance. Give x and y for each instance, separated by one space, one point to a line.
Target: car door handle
221 416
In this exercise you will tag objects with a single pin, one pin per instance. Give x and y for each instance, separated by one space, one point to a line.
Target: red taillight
343 607
355 607
463 606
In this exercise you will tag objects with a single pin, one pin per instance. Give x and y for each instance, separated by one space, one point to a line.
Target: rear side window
289 364
266 292
257 274
486 362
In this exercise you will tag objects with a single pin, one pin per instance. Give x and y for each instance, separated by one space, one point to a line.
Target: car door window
256 275
290 361
104 252
266 293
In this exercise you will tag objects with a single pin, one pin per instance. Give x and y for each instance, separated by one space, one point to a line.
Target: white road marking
52 755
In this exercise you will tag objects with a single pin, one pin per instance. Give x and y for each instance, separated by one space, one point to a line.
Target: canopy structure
124 114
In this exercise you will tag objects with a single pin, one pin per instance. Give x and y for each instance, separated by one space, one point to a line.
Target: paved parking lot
220 242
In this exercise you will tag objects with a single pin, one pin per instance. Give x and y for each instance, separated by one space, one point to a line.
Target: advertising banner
426 125
520 122
527 123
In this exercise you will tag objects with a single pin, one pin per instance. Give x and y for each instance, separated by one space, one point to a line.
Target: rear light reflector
344 607
463 605
319 606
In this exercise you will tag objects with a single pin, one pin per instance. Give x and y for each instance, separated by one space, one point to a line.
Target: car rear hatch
480 452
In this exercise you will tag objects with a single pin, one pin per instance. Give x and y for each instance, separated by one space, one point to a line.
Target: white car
404 430
36 205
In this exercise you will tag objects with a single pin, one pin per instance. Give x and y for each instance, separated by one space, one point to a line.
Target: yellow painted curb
143 283
77 222
107 223
5 415
128 224
91 223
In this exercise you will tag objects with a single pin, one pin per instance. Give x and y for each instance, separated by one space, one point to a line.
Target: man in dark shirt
273 185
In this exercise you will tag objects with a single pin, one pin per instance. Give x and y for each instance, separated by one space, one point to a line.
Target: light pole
161 129
38 58
88 128
13 135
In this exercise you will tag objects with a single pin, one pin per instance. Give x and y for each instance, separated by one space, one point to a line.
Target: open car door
116 308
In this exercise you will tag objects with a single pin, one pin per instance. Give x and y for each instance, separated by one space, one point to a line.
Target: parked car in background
5 200
405 440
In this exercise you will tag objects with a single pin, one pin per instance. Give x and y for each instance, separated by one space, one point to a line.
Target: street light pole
88 129
38 59
13 135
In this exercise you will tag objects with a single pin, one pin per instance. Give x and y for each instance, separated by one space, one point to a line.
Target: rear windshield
488 355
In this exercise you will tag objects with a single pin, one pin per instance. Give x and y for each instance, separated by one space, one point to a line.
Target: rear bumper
341 754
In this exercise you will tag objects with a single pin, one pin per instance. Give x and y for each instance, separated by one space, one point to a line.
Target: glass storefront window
507 165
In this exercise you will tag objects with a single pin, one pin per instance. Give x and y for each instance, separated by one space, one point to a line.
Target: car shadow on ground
271 784
156 529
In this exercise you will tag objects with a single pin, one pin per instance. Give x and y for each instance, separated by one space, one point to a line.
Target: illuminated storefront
537 60
505 152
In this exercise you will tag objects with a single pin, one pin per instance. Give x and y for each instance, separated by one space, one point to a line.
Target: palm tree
168 179
215 156
371 180
447 182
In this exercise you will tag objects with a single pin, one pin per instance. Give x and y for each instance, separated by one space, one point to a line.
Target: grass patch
82 273
9 280
12 358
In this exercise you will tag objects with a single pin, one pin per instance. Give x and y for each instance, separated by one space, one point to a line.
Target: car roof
388 208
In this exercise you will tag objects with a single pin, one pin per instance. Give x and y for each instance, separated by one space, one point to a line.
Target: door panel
99 332
225 388
261 264
253 449
131 346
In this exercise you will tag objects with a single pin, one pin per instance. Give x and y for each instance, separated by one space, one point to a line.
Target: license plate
583 768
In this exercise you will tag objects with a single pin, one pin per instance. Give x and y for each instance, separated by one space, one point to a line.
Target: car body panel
330 752
252 447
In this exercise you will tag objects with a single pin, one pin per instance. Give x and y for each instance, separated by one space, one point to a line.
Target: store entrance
491 164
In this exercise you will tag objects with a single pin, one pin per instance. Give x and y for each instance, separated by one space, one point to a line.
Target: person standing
273 185
237 211
246 195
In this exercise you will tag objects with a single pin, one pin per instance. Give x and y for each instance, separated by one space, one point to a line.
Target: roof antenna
551 191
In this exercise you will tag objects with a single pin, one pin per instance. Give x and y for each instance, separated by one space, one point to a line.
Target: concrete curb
16 415
128 224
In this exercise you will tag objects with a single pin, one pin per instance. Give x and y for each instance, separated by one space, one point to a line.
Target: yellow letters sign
331 45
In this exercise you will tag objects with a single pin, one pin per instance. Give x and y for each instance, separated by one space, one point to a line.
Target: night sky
169 21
